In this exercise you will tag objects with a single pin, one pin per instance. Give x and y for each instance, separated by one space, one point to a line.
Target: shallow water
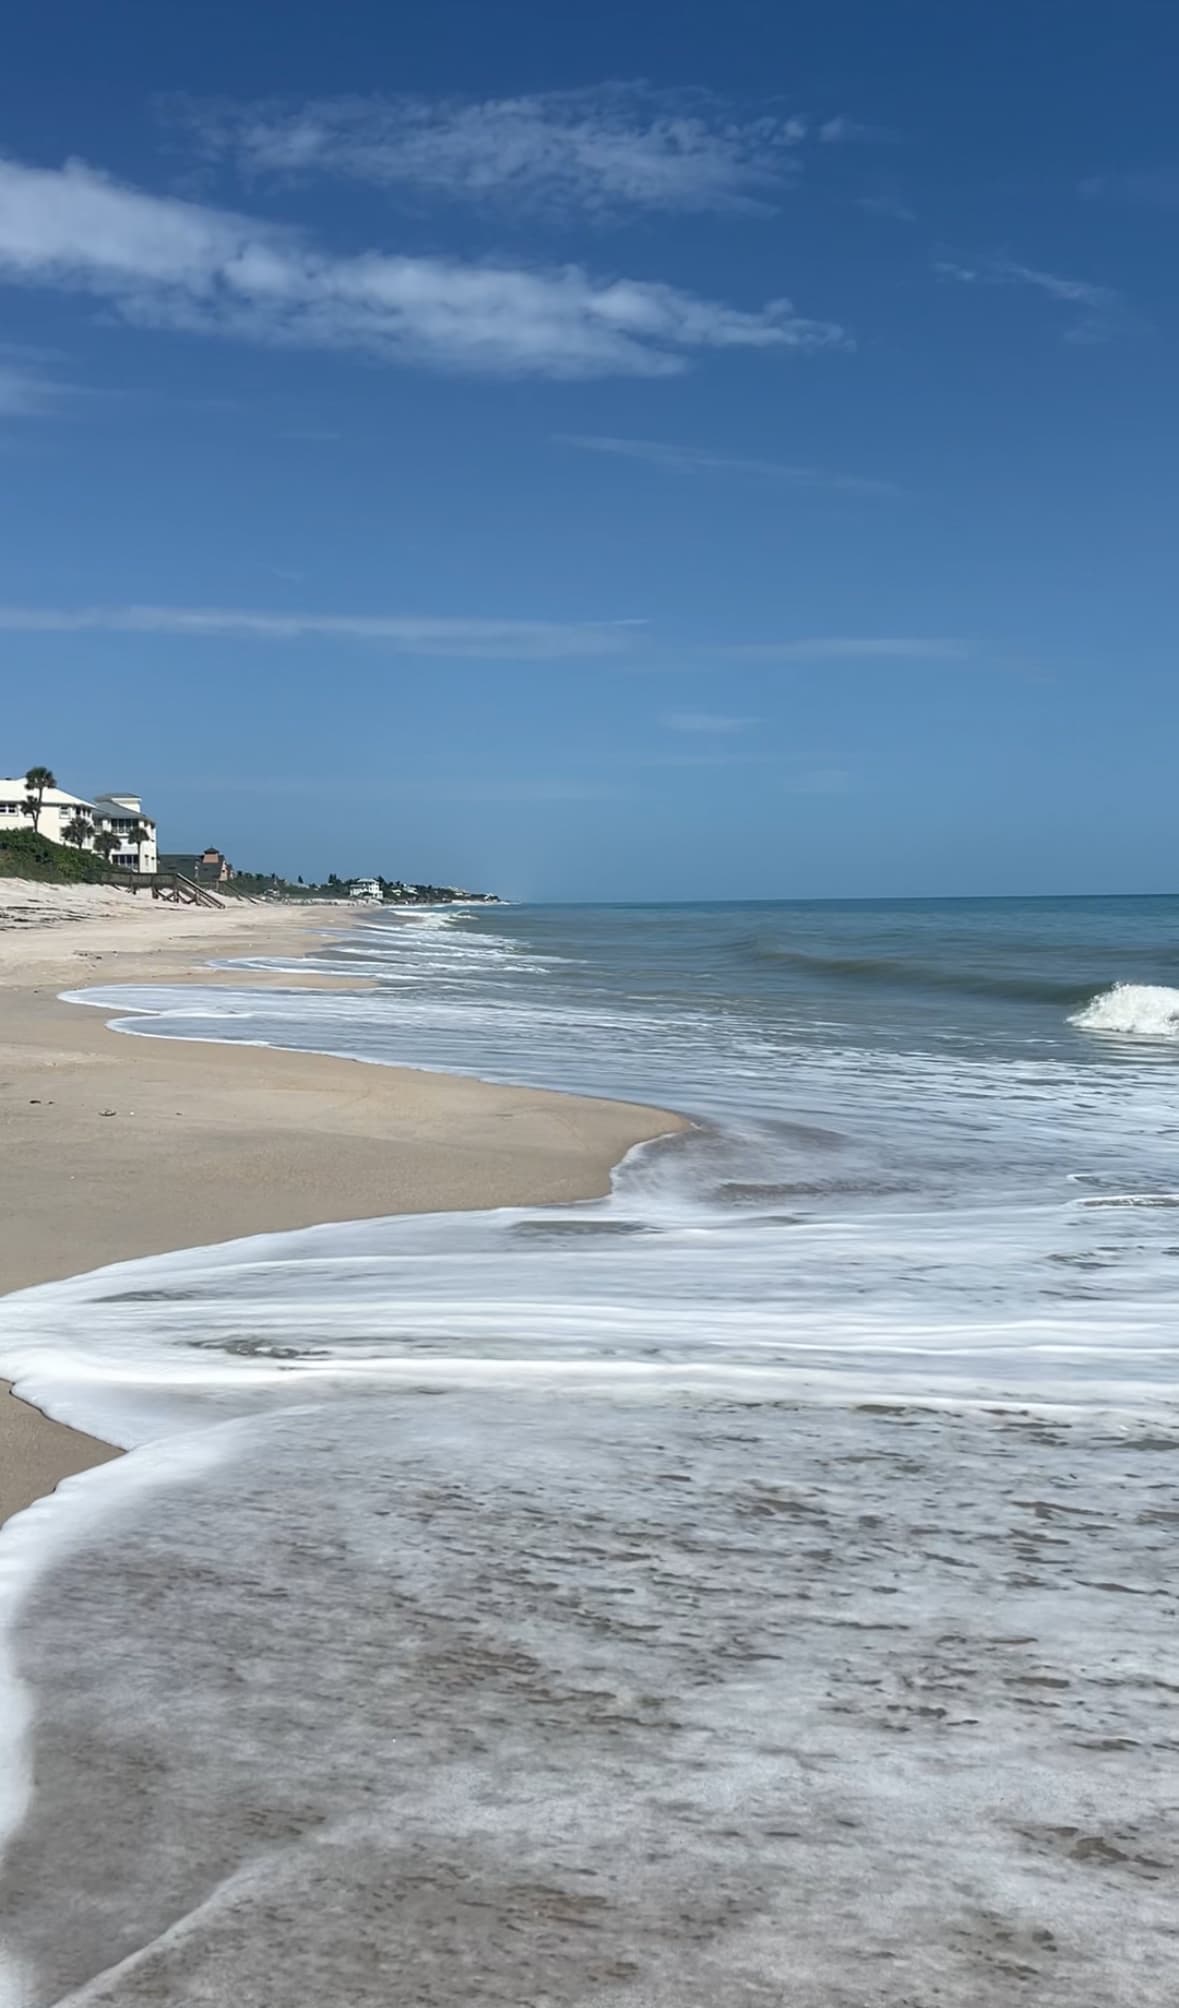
759 1578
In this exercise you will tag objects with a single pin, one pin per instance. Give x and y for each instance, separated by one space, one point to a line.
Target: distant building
122 817
209 867
214 868
365 889
58 811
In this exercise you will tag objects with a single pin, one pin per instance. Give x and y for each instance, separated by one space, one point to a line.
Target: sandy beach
116 1147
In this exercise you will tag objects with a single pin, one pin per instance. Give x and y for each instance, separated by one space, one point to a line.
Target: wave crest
901 972
1141 1010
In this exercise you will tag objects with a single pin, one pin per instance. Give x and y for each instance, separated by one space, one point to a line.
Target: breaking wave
1137 1010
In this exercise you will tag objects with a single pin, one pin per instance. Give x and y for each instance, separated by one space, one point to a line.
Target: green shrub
25 854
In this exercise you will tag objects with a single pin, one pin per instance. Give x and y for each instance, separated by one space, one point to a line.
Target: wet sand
117 1147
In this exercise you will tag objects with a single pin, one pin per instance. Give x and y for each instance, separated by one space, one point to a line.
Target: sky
663 452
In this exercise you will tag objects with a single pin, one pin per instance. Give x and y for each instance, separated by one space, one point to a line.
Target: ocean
757 1580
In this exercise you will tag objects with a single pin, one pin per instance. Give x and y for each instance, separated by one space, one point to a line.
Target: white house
122 817
58 811
119 817
365 889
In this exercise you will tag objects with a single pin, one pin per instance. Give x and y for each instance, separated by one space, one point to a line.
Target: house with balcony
114 824
123 830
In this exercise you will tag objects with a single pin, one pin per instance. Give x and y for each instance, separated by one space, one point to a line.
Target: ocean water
759 1579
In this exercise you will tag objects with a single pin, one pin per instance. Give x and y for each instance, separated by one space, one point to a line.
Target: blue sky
693 450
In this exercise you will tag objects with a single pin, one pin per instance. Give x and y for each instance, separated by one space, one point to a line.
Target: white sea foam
82 1509
1133 1010
655 1703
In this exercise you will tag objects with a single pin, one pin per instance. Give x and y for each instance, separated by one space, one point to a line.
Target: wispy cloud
1098 312
431 787
169 264
483 788
27 387
855 648
784 775
840 130
676 459
24 394
677 762
893 207
404 634
600 152
693 761
1152 187
818 781
705 721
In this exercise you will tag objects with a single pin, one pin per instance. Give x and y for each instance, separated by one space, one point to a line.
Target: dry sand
113 1147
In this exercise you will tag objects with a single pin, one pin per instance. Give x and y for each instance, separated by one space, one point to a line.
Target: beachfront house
208 867
121 817
59 811
113 824
365 889
214 868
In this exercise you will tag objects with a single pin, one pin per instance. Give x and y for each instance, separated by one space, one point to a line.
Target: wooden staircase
174 887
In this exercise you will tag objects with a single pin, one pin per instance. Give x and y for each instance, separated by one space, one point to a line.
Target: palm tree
36 781
76 831
129 835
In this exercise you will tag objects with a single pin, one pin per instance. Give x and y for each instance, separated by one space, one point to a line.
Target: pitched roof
54 798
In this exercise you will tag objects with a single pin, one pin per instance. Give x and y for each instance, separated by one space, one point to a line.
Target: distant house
58 811
365 889
214 868
209 867
121 817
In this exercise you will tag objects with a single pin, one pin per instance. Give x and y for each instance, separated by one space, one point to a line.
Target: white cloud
171 264
707 460
599 151
856 648
1099 310
404 634
705 721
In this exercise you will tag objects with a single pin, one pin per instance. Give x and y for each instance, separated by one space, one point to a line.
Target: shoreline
118 1148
